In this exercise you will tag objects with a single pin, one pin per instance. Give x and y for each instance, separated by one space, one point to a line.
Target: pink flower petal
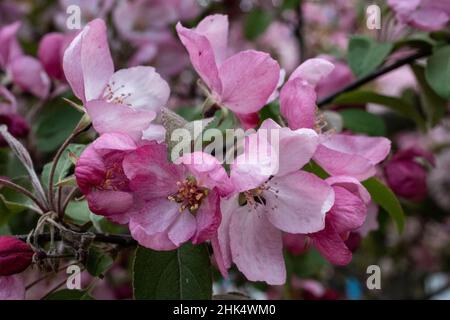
258 162
352 155
215 29
208 218
429 19
141 88
352 185
87 61
257 247
50 54
28 73
300 204
331 246
348 212
109 203
202 56
151 175
8 102
312 70
109 117
294 147
221 243
183 229
150 227
9 48
298 104
208 171
248 80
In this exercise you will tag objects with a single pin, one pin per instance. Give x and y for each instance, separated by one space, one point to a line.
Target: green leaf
398 105
305 265
13 202
360 121
365 54
78 212
383 196
256 23
54 125
437 72
98 263
290 4
270 111
67 294
190 113
65 163
184 273
314 168
433 105
420 40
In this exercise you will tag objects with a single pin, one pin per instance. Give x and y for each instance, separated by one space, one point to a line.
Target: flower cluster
243 210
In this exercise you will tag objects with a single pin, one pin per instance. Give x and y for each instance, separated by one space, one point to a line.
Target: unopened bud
15 256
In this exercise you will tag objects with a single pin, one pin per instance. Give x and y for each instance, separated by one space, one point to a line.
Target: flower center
116 94
114 179
189 195
255 197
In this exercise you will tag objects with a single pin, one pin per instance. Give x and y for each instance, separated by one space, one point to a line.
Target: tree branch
358 83
119 239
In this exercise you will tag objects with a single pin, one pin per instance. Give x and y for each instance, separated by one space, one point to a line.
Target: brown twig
119 239
358 83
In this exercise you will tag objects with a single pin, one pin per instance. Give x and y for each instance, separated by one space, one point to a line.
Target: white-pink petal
87 61
298 202
141 88
257 247
313 70
215 29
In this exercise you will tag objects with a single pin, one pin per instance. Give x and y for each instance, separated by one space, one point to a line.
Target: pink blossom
406 175
100 176
346 216
371 223
8 102
168 56
25 71
12 288
10 11
243 82
279 199
123 101
9 48
338 154
28 74
51 51
165 204
15 256
279 38
178 202
148 20
427 15
16 124
340 77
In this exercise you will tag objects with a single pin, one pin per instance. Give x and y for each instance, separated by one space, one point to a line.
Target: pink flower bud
16 124
15 256
406 174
